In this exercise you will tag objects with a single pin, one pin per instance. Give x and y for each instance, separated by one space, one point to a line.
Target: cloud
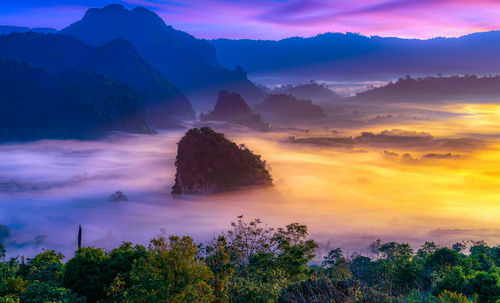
6 239
38 241
440 156
390 153
275 19
459 234
462 143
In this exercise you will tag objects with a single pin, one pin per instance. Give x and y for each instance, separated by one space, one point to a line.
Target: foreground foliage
254 263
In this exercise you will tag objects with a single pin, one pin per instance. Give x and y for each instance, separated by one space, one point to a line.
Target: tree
218 258
443 257
487 286
121 260
452 297
261 285
171 272
249 238
459 246
451 279
294 250
2 251
46 267
86 273
42 292
396 252
337 266
427 249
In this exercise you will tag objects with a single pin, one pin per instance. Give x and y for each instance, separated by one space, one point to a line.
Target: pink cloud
272 19
275 19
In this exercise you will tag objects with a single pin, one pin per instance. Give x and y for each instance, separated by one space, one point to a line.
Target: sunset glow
273 19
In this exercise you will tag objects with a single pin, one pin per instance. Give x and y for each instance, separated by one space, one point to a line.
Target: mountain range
433 89
8 29
336 56
187 61
159 73
117 59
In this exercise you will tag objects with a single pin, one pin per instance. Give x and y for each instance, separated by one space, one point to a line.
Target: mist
347 197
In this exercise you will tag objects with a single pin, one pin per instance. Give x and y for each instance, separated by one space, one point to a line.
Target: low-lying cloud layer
340 195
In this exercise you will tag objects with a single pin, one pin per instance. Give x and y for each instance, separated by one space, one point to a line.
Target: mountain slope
351 56
187 61
72 105
163 101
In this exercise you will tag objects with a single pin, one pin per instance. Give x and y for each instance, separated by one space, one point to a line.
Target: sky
276 19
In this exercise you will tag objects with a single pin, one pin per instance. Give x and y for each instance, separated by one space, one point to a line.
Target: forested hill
116 59
189 62
430 89
70 105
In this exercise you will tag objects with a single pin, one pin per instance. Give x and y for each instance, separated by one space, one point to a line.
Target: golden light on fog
364 190
348 196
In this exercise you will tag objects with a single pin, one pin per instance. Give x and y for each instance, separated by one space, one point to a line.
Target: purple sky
275 19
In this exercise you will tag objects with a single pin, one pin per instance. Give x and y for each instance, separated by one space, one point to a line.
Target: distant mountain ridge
8 29
163 101
431 89
189 62
353 56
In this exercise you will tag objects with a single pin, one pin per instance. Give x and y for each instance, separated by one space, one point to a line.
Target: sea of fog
348 197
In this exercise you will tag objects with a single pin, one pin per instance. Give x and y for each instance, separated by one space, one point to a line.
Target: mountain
8 29
283 108
207 163
232 108
335 56
318 93
189 62
431 89
72 105
117 59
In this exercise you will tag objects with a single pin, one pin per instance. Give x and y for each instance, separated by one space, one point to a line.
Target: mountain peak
114 7
190 62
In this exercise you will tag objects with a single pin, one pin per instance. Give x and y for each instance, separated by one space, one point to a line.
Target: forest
252 262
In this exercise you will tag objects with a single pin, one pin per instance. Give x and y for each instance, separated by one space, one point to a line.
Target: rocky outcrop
207 163
232 108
